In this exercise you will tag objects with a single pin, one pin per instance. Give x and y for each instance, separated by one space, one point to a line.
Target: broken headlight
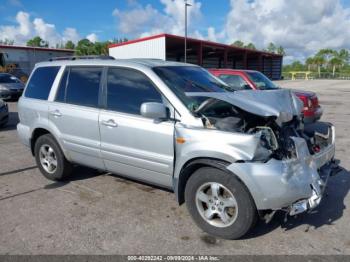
268 138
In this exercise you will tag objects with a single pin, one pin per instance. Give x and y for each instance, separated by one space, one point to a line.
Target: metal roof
193 40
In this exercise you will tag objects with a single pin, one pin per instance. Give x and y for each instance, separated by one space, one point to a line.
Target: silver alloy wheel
216 204
48 158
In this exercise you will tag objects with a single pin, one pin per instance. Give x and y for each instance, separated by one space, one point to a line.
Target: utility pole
186 5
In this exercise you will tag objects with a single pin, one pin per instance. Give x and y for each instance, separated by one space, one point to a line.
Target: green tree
335 62
310 63
250 46
100 48
344 56
320 61
37 42
326 53
238 43
280 50
271 48
84 47
297 66
69 45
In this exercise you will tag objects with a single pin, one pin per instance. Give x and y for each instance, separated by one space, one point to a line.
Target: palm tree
310 62
335 61
319 61
344 55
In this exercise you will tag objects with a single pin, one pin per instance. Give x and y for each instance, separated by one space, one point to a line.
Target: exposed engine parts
275 138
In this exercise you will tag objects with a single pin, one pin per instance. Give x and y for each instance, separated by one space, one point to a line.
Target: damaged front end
289 166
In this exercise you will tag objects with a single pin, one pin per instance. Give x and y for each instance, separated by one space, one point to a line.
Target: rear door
132 145
75 112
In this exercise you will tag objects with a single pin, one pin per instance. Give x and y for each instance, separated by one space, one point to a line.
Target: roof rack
101 57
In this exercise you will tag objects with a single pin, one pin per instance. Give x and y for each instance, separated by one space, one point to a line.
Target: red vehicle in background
250 79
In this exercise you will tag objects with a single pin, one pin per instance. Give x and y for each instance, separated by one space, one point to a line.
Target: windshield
261 81
8 79
183 79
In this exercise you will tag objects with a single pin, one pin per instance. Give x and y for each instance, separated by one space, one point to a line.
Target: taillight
305 102
314 101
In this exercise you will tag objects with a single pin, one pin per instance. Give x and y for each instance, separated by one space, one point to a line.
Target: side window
82 86
40 83
127 89
235 81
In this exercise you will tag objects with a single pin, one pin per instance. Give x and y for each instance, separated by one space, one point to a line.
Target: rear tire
50 159
229 213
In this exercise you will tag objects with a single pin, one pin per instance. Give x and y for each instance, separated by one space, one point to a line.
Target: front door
132 145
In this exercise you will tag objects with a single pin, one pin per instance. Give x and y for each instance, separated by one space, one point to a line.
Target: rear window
41 81
261 81
235 81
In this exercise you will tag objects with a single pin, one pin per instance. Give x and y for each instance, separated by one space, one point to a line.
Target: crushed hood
281 103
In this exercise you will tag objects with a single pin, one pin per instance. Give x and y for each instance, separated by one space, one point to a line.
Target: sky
302 27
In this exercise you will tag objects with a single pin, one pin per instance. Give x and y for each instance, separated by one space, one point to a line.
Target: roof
36 48
230 70
119 62
189 39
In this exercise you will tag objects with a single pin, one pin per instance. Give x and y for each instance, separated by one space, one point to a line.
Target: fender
179 182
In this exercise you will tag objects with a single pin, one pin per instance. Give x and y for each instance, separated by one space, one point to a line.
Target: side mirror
154 110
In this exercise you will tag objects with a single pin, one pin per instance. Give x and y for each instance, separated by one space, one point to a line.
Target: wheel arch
40 131
37 132
191 166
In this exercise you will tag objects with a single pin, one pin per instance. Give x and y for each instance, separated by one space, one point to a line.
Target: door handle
109 123
56 113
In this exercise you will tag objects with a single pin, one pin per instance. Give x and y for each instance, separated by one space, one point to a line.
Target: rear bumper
281 184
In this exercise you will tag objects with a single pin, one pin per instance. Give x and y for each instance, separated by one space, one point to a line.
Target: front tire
50 159
219 203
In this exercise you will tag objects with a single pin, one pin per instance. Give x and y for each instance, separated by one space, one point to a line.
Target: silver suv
231 156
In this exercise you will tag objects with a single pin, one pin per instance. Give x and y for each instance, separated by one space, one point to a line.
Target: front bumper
304 205
280 184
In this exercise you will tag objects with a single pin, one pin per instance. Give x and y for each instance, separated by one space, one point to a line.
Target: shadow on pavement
17 170
330 210
78 173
